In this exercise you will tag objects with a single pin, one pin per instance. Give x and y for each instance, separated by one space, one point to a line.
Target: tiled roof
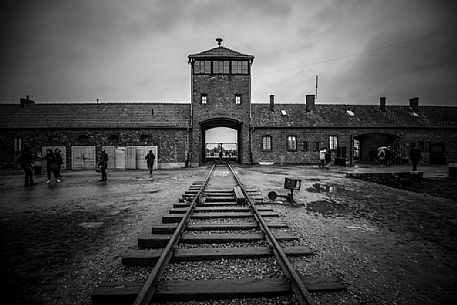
172 115
222 52
104 115
365 116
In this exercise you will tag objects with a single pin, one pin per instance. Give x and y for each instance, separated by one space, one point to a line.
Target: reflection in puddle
323 188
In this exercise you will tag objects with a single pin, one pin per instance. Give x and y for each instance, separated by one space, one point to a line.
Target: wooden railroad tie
135 257
180 290
170 228
173 218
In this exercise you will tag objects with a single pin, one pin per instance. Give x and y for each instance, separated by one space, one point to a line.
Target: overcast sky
114 50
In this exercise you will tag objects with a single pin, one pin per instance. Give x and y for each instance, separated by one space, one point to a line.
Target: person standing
26 159
415 155
51 165
150 157
322 158
328 159
103 164
59 161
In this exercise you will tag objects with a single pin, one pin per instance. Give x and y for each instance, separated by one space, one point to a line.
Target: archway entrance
221 139
365 145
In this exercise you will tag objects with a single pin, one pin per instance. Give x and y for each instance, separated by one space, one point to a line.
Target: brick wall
220 91
171 142
279 142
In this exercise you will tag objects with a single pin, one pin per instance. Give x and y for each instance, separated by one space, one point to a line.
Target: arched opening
221 139
365 145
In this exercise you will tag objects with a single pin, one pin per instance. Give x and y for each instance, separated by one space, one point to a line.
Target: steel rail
150 286
301 293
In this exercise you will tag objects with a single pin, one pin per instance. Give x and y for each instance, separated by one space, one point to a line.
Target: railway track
216 222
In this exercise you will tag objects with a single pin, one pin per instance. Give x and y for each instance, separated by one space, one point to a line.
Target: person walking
322 158
51 165
59 161
26 159
328 159
103 164
150 157
415 155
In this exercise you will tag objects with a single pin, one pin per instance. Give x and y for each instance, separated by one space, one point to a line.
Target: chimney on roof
382 103
310 102
414 104
25 101
272 102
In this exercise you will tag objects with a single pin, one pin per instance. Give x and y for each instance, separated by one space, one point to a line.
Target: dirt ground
389 246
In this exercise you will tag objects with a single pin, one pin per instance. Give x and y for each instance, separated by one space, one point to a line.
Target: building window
204 98
316 146
240 67
202 67
333 140
305 146
237 99
266 143
17 144
83 138
113 137
291 143
53 139
221 67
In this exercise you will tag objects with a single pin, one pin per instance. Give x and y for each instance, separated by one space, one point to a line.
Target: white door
83 157
110 152
89 157
119 158
130 157
141 152
63 153
77 157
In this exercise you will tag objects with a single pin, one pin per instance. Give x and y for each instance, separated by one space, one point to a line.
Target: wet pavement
67 236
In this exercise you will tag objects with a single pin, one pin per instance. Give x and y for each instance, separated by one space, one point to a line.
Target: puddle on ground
144 179
91 225
324 188
326 207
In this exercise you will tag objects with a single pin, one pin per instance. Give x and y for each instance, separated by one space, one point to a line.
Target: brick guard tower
220 97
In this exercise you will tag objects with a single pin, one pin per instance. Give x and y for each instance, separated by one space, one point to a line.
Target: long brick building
221 98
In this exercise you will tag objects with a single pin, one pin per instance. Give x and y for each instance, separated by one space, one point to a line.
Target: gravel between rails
224 269
260 243
222 221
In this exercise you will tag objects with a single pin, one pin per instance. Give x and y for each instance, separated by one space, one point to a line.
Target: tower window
237 99
221 67
204 98
266 143
202 67
240 67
